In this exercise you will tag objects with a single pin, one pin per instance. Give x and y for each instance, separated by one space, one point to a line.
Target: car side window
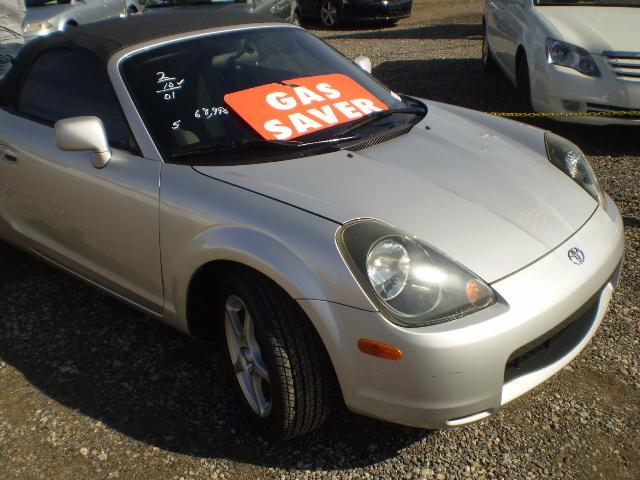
66 83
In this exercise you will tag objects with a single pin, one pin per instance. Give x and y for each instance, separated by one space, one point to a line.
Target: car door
99 223
497 27
513 22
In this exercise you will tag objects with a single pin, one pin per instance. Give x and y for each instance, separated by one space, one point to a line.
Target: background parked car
567 56
285 9
332 12
47 16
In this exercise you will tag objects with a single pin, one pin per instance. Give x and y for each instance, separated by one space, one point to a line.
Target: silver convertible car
240 180
47 16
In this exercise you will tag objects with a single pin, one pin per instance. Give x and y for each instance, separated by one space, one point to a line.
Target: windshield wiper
381 114
245 144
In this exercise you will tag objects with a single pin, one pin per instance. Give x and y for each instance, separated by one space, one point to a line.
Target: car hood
46 12
595 28
466 186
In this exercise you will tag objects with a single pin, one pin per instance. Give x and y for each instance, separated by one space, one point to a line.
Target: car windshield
176 3
42 3
257 88
590 3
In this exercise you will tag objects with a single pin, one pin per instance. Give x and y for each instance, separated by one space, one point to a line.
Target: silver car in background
47 16
240 180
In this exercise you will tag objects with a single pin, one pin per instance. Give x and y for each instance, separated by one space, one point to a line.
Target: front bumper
454 373
552 86
376 9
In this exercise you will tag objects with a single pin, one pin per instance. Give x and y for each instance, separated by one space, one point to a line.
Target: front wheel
329 13
279 366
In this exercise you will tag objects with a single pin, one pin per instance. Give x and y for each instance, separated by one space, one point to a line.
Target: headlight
38 26
570 159
572 56
412 283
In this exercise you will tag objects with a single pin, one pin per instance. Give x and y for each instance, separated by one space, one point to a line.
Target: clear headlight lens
411 282
570 159
388 265
572 56
38 26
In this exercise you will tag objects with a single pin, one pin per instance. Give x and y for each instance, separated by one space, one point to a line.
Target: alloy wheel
249 367
329 13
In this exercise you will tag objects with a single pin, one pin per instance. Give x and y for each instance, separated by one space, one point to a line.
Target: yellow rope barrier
626 113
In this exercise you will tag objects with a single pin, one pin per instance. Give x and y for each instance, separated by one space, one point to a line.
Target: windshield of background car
182 90
589 3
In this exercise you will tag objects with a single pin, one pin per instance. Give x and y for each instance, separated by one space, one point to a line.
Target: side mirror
84 134
364 63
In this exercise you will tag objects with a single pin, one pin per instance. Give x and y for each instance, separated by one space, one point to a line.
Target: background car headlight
572 56
570 159
412 283
38 27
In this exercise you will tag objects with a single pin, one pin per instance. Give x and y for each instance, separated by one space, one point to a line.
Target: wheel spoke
247 386
264 405
234 310
238 365
248 365
259 367
248 331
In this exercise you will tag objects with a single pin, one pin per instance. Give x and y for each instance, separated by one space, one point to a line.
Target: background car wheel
488 63
524 84
329 13
278 363
295 19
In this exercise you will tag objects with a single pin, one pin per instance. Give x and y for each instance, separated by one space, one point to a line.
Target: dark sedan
332 12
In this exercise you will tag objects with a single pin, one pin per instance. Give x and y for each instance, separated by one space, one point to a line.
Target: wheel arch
520 51
225 247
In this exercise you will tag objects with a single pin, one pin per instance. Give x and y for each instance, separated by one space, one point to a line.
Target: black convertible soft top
107 37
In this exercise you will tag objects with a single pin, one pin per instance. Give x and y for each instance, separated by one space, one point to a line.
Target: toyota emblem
576 255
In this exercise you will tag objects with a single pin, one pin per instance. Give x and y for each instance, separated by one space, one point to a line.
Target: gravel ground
90 389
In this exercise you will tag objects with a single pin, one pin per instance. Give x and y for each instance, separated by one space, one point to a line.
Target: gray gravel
90 389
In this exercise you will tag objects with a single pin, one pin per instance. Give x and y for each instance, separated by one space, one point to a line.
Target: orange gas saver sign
289 109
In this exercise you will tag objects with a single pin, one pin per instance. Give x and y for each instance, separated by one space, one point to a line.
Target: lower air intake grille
596 107
553 345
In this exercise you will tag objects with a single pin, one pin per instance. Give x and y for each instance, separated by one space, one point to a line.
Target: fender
215 220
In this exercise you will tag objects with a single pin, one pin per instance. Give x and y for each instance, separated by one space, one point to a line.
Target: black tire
524 83
488 62
329 13
300 376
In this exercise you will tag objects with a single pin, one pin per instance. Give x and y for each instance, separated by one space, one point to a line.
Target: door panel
102 224
496 27
513 18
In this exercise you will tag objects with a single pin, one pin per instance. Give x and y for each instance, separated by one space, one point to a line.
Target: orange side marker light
379 349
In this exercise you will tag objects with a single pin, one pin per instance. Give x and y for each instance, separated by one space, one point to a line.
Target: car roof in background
106 37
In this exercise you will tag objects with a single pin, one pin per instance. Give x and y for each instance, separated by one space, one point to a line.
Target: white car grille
598 108
626 65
